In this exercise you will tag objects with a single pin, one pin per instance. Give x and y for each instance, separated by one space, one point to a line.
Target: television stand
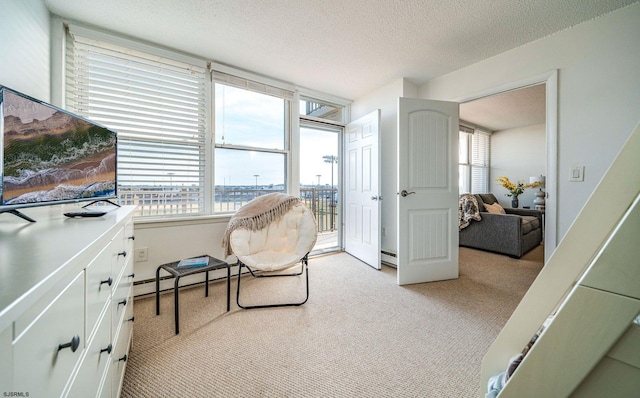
17 213
101 200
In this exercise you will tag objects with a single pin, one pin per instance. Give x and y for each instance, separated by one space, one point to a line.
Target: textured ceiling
342 47
517 108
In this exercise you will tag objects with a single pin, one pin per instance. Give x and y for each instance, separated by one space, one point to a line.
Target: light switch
577 173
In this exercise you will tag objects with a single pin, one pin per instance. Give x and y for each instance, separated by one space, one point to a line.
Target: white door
428 190
362 189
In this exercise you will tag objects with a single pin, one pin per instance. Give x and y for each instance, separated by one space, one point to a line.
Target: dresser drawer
6 363
100 282
107 383
95 362
120 254
129 238
122 297
42 365
120 357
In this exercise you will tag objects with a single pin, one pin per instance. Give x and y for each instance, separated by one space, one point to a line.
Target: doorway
320 180
550 83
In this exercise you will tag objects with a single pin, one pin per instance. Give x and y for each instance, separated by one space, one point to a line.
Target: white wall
386 99
598 94
517 153
173 240
24 47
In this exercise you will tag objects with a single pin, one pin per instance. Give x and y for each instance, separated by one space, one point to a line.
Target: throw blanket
257 214
467 210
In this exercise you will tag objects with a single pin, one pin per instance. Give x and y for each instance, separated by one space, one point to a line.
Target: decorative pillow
494 208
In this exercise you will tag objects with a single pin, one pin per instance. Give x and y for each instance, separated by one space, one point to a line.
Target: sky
251 119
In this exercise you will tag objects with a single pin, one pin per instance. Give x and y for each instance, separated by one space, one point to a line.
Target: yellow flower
515 189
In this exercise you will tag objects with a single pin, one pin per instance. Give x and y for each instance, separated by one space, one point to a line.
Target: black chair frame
304 266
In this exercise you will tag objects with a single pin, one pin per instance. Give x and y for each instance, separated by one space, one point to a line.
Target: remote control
85 213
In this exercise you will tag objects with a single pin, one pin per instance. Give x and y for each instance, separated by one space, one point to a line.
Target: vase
514 202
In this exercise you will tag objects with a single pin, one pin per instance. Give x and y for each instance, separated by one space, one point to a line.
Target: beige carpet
359 335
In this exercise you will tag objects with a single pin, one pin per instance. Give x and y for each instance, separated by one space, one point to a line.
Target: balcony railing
155 201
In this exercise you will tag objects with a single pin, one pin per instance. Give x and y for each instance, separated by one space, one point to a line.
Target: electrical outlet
142 254
384 231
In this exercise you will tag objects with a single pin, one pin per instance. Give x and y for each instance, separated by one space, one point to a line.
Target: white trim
320 96
58 50
475 127
135 44
550 79
319 120
209 149
237 72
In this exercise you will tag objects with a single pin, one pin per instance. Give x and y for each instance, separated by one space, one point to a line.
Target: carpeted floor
359 335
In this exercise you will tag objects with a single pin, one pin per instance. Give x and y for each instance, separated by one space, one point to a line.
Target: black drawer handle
108 349
132 319
108 281
132 237
123 302
123 254
74 344
131 275
124 358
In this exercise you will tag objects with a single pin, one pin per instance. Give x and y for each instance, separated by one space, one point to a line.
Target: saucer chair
272 233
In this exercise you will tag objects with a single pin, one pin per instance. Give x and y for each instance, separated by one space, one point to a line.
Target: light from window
246 118
242 175
473 169
251 142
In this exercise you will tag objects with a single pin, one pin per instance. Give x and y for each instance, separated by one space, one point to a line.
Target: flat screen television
51 156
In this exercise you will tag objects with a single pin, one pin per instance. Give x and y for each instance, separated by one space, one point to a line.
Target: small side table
178 272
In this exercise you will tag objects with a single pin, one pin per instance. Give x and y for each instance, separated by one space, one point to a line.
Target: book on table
194 262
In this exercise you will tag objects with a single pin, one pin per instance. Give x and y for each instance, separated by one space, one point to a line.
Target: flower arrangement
517 188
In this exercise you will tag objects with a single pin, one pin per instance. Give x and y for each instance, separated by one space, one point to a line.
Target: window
473 161
251 140
314 108
158 107
191 140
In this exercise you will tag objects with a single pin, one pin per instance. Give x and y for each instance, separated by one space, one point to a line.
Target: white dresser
66 308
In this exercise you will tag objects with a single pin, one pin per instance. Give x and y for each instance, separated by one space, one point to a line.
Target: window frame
472 135
292 120
288 97
80 40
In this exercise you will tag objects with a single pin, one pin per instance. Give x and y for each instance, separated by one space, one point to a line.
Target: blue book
194 262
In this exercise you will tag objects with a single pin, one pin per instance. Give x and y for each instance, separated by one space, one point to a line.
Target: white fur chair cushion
279 245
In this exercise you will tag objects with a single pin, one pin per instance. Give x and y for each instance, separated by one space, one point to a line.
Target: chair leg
304 266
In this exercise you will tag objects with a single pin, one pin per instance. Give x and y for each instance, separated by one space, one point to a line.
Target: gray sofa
513 234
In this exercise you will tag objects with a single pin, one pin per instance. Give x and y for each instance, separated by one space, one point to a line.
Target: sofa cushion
529 223
480 202
488 198
494 208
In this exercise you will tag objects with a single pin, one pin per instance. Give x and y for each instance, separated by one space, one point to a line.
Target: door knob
376 198
404 193
73 344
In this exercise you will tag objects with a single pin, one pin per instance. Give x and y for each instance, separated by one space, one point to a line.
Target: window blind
251 85
480 150
157 106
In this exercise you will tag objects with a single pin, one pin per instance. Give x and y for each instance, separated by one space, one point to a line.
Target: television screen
51 156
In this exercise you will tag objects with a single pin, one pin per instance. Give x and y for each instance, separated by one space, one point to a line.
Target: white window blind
251 85
157 105
480 161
